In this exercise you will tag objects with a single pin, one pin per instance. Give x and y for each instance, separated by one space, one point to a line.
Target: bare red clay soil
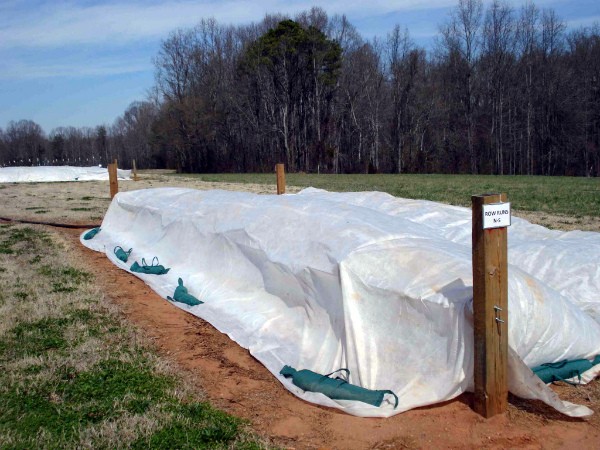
235 382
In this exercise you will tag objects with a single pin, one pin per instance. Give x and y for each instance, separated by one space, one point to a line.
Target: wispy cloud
57 24
19 70
584 22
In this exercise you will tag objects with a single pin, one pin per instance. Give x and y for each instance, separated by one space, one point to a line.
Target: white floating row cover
365 281
44 174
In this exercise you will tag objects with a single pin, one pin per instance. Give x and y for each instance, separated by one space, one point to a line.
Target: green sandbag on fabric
334 388
563 370
90 234
122 254
181 295
153 269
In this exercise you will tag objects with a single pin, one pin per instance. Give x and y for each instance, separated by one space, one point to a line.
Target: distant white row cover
46 162
45 174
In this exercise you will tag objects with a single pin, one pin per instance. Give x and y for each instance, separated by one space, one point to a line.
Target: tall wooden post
280 169
112 177
490 302
135 177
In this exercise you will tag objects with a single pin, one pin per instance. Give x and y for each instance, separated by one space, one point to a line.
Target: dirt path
234 381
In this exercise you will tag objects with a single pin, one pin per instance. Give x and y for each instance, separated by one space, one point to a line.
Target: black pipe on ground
51 224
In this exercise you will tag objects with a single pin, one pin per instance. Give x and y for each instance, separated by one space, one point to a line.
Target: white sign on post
496 215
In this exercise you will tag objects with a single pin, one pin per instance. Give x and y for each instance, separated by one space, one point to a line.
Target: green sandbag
334 388
563 370
153 269
90 234
122 254
181 295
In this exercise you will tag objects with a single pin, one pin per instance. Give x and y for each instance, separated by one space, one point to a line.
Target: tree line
502 91
24 143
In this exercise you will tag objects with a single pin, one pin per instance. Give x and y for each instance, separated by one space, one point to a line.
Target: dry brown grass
87 202
561 221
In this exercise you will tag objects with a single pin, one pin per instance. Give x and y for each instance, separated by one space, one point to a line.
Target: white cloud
584 22
102 67
33 37
58 24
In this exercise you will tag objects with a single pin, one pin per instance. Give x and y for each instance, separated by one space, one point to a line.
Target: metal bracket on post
497 309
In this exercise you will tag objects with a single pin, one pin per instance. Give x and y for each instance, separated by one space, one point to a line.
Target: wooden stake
280 169
490 311
112 177
135 177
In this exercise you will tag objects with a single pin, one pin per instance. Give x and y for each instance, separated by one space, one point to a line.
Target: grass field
75 375
559 195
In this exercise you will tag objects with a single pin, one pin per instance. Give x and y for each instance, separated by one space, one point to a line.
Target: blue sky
81 63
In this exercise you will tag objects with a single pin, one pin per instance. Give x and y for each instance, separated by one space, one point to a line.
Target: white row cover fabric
44 174
371 282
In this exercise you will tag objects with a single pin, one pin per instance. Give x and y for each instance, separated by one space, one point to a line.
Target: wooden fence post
491 216
112 177
135 177
280 169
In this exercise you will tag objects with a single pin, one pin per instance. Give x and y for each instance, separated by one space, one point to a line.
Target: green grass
557 195
21 240
64 278
72 400
35 338
197 425
74 375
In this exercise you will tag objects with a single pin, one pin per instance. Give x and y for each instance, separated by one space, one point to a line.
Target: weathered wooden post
112 177
280 169
491 216
135 177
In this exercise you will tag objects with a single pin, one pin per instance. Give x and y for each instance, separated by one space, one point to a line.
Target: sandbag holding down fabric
564 370
90 234
153 269
335 388
122 254
181 295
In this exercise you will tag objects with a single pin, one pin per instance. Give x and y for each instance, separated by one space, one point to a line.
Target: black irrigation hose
52 224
